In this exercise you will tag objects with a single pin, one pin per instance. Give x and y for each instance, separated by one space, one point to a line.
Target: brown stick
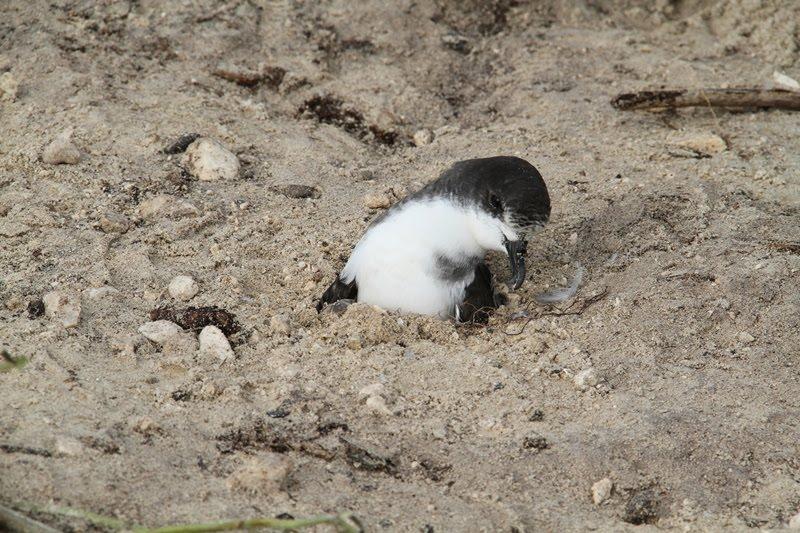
774 98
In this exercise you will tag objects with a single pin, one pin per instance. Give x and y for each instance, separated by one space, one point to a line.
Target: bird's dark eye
495 202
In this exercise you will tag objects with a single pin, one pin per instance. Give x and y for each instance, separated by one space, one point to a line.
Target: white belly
395 263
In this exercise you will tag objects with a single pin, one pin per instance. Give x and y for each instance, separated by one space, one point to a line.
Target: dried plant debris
254 436
294 190
366 457
27 450
328 109
269 76
642 508
196 318
181 143
35 308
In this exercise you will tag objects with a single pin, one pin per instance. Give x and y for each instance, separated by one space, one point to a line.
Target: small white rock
704 143
601 491
207 160
794 522
585 379
377 201
61 150
68 446
112 222
372 389
785 82
423 137
262 475
377 404
214 343
183 288
160 331
746 338
66 309
279 324
165 205
9 87
98 293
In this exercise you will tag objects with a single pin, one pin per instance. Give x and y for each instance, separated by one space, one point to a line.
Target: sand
673 372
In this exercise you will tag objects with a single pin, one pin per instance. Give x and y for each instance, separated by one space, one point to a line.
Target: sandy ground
686 324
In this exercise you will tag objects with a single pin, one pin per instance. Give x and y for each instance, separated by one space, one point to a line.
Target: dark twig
734 98
584 304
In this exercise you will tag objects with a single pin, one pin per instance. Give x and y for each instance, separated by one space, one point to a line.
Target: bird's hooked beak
516 258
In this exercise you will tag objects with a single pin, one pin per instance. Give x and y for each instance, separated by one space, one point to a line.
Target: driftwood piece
738 98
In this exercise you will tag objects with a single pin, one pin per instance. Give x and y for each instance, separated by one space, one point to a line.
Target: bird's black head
506 187
506 197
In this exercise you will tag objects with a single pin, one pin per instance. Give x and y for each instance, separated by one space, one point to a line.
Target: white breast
395 263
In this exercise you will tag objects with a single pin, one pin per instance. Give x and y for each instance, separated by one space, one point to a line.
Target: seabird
426 254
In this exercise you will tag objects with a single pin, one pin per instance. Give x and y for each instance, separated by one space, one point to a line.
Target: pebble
183 288
601 490
372 389
9 87
207 160
704 143
66 309
159 331
279 324
585 379
377 201
354 342
423 137
61 150
213 342
794 522
112 222
261 475
165 205
98 293
377 404
785 82
68 446
146 426
746 337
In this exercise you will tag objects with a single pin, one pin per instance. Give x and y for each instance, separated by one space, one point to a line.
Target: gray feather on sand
564 293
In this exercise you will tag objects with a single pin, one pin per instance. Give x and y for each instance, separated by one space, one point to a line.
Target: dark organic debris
28 450
255 436
103 443
788 247
642 507
270 76
365 457
535 441
181 144
181 395
734 98
457 42
338 307
196 318
331 110
536 415
35 308
327 426
435 471
296 191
